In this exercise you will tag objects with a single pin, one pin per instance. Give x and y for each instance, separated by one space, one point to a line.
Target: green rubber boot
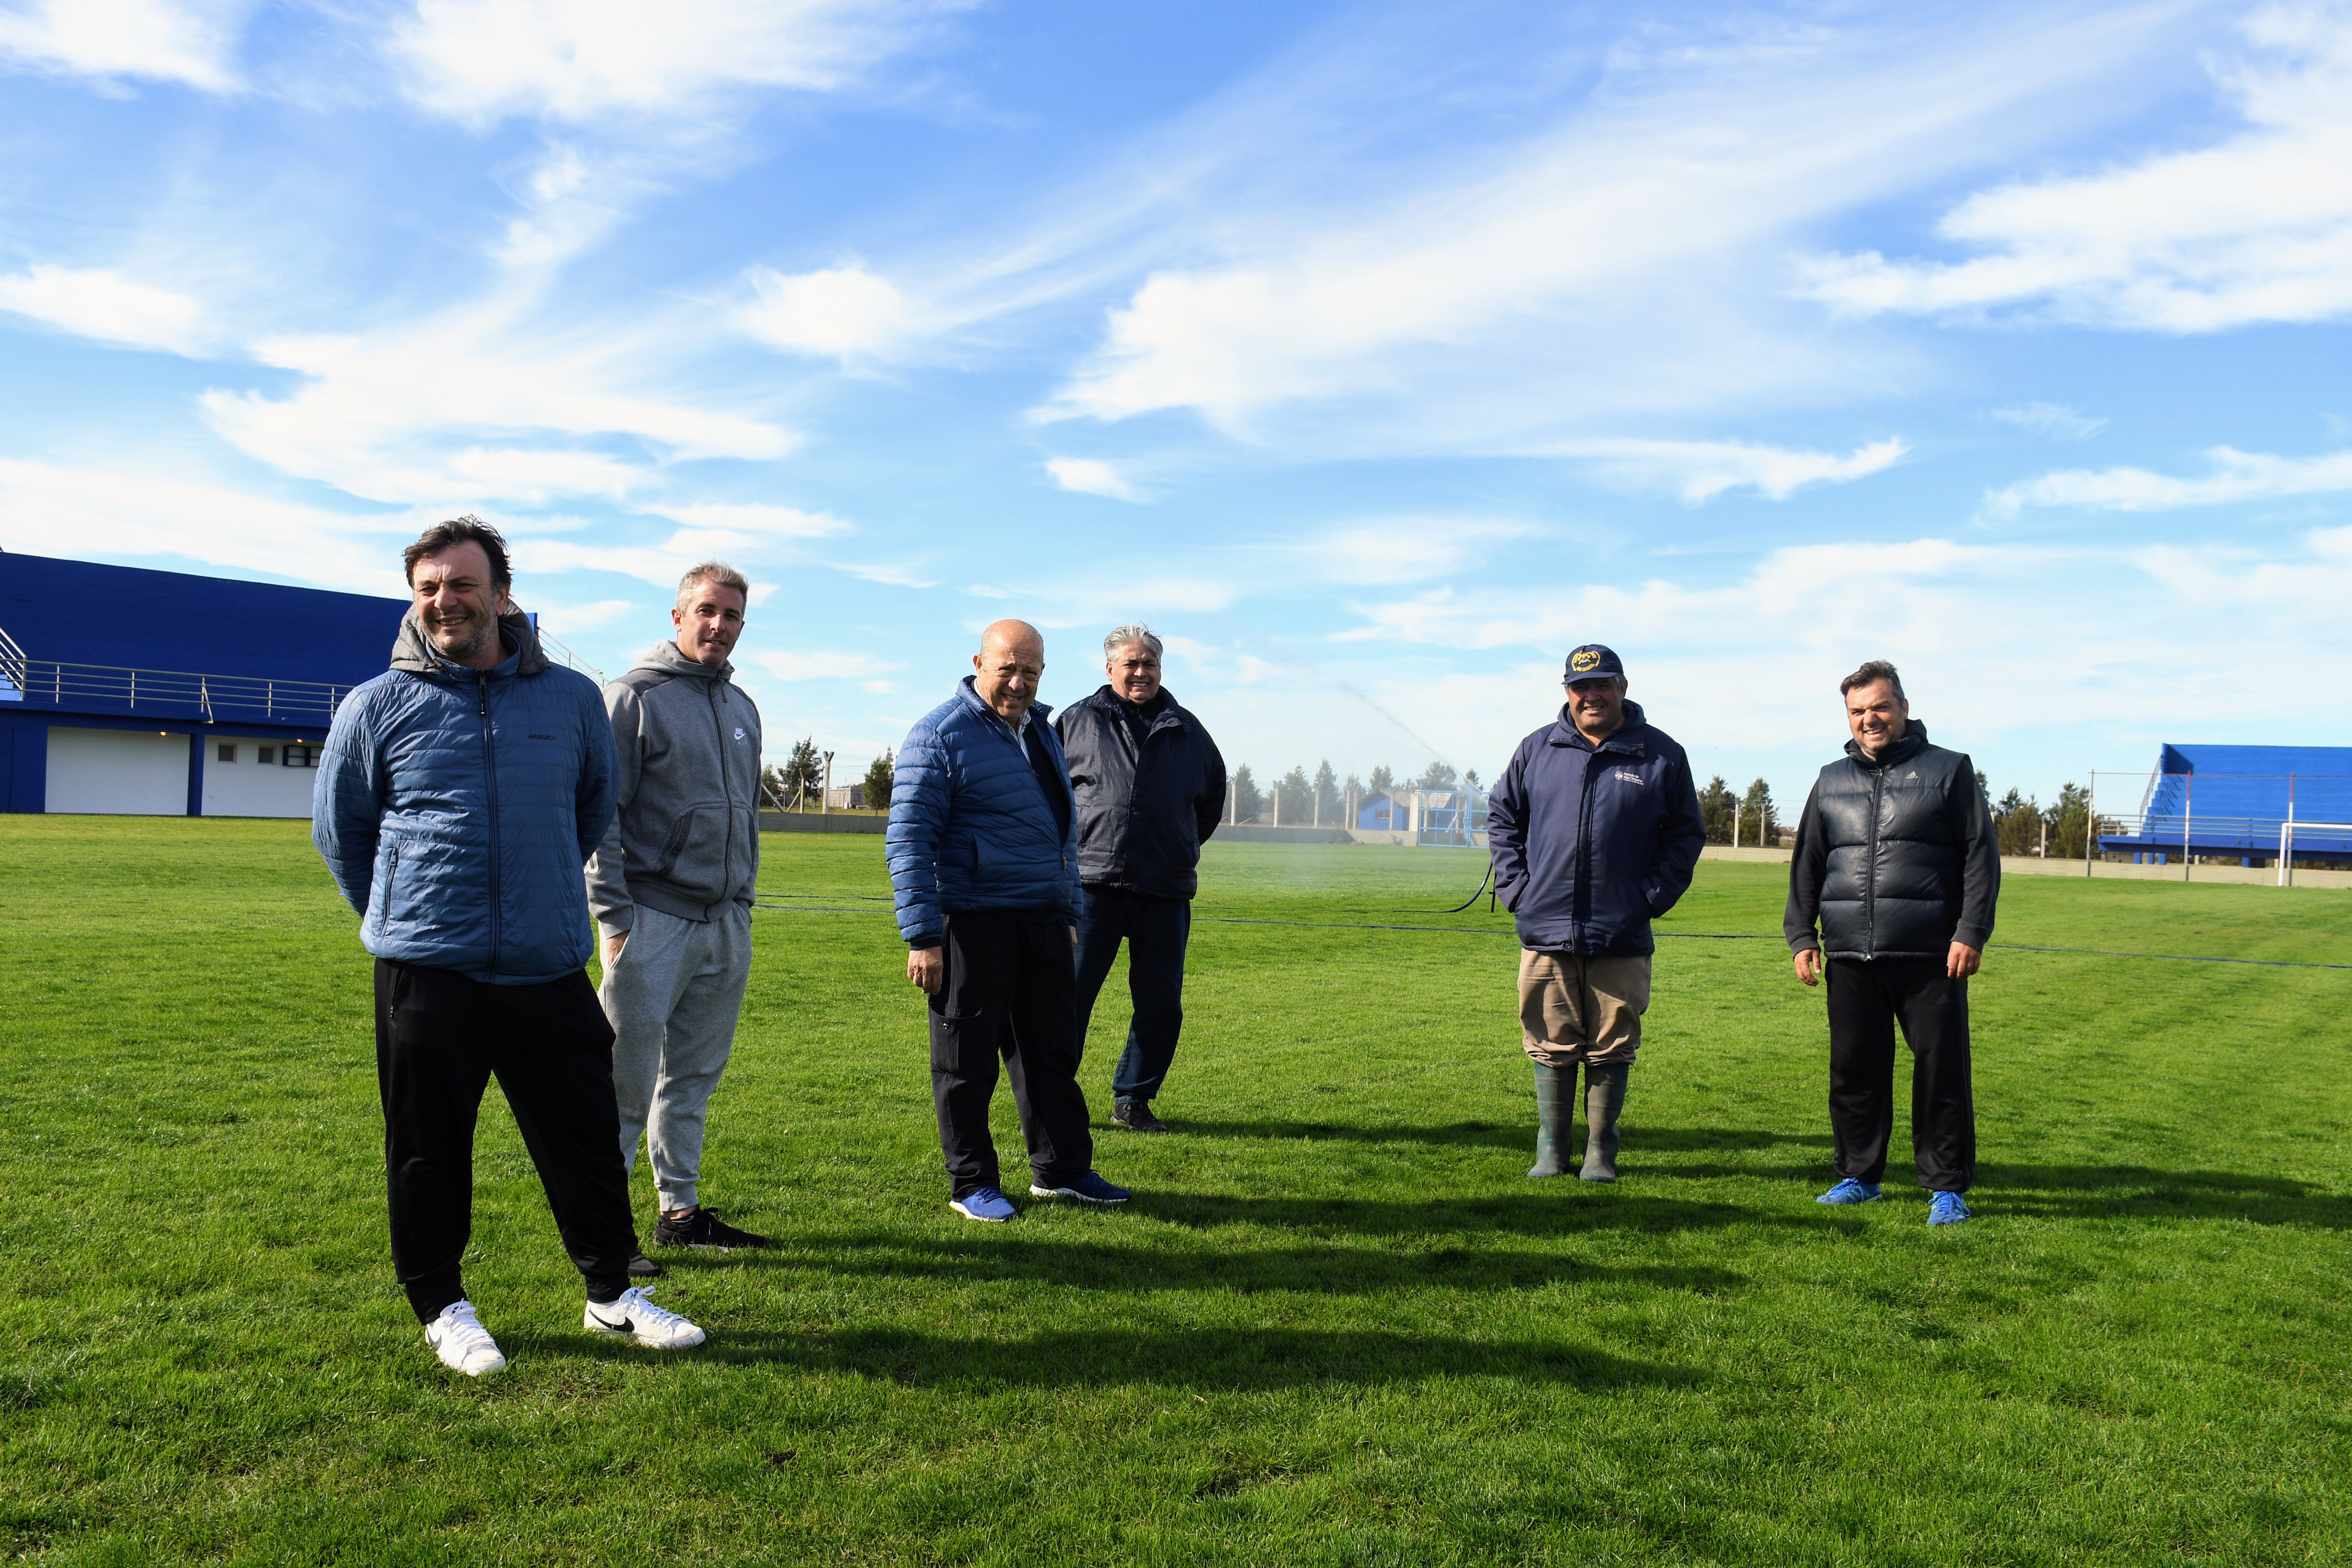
1605 1097
1555 1094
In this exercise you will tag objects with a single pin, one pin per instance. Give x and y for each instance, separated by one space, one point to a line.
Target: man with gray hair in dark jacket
672 886
1897 863
1151 785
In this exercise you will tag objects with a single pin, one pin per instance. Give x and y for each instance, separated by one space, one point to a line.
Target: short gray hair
1872 672
717 572
1122 636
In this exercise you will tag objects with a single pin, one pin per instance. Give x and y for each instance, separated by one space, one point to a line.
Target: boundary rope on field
1665 935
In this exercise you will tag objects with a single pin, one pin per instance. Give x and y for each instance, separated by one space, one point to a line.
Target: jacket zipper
726 784
1583 905
1870 889
491 794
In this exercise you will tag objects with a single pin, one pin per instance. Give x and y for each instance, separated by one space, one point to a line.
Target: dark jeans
1156 930
1008 993
1867 999
438 1038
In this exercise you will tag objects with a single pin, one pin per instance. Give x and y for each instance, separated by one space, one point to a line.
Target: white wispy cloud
95 303
2256 228
1389 550
46 508
845 312
1093 476
153 40
1614 261
757 518
822 664
2235 475
1701 471
478 61
2052 420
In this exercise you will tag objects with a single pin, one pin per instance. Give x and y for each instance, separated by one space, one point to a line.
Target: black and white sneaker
702 1228
458 1338
643 1267
1135 1115
634 1317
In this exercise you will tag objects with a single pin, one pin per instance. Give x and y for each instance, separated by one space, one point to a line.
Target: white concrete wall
117 772
250 787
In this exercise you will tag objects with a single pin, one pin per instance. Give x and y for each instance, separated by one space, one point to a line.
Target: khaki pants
1574 1009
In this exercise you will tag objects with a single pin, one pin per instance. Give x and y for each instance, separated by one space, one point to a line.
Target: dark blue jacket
455 808
969 827
1144 810
1592 844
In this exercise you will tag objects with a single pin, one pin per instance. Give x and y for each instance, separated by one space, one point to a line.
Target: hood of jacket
668 658
1566 734
1914 740
414 652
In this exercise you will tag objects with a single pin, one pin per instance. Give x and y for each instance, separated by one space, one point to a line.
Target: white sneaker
637 1317
458 1338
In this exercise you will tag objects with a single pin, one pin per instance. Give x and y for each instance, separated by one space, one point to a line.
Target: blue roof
78 612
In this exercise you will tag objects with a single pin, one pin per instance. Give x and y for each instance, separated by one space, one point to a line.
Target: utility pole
827 809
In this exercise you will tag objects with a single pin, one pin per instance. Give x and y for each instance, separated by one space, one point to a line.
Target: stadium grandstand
2256 805
135 692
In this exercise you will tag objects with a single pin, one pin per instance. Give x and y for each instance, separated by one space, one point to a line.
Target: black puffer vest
1898 852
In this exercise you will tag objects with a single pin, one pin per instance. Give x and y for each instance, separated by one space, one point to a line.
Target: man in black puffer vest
1151 785
1897 863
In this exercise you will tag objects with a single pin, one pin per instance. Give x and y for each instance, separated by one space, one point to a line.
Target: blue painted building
2237 801
128 691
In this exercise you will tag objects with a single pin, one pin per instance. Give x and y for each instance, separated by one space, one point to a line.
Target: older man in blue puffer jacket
460 793
983 853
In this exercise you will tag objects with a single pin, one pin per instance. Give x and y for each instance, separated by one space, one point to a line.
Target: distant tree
1382 781
1759 821
1470 781
1327 796
1439 775
2017 823
802 775
1293 804
1247 801
879 774
2070 822
1714 810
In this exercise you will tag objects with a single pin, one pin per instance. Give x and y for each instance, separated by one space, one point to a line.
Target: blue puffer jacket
455 808
1591 843
970 829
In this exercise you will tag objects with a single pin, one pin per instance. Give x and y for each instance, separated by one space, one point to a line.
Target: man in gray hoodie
671 887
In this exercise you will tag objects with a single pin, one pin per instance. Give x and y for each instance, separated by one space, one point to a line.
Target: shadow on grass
1562 1206
1236 1360
2142 1191
1332 1270
1497 1135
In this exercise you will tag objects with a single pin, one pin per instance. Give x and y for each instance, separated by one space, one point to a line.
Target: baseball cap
1592 662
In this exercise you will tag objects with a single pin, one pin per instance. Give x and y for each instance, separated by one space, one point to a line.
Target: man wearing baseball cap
1595 829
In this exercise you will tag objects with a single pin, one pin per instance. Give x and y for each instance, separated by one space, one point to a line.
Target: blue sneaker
1947 1209
1090 1188
988 1203
1851 1192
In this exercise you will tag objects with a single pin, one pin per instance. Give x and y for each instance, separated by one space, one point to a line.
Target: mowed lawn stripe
1338 1325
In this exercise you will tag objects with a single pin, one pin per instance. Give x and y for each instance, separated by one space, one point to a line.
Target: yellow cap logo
1586 658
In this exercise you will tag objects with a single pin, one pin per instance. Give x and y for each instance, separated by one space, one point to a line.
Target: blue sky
1376 354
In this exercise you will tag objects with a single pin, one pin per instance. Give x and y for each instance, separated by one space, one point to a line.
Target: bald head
1004 671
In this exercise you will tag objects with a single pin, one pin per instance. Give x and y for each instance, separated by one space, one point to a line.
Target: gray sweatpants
673 996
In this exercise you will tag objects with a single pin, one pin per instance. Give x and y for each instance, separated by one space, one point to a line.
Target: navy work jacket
1591 843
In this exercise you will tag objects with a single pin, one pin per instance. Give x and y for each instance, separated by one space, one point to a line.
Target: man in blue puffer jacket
983 853
460 793
1595 830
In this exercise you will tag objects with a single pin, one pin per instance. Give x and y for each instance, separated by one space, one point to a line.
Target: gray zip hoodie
686 839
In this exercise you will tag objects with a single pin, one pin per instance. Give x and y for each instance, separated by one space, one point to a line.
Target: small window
298 757
268 755
228 754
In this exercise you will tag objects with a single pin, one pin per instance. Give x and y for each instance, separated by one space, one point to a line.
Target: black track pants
1867 999
438 1038
1009 992
1155 929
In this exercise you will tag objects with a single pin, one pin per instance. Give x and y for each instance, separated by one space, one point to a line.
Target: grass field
1337 1326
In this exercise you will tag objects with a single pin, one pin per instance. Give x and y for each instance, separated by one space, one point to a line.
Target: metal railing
173 693
12 668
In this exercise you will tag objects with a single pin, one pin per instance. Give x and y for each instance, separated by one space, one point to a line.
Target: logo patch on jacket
1629 776
539 737
739 732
